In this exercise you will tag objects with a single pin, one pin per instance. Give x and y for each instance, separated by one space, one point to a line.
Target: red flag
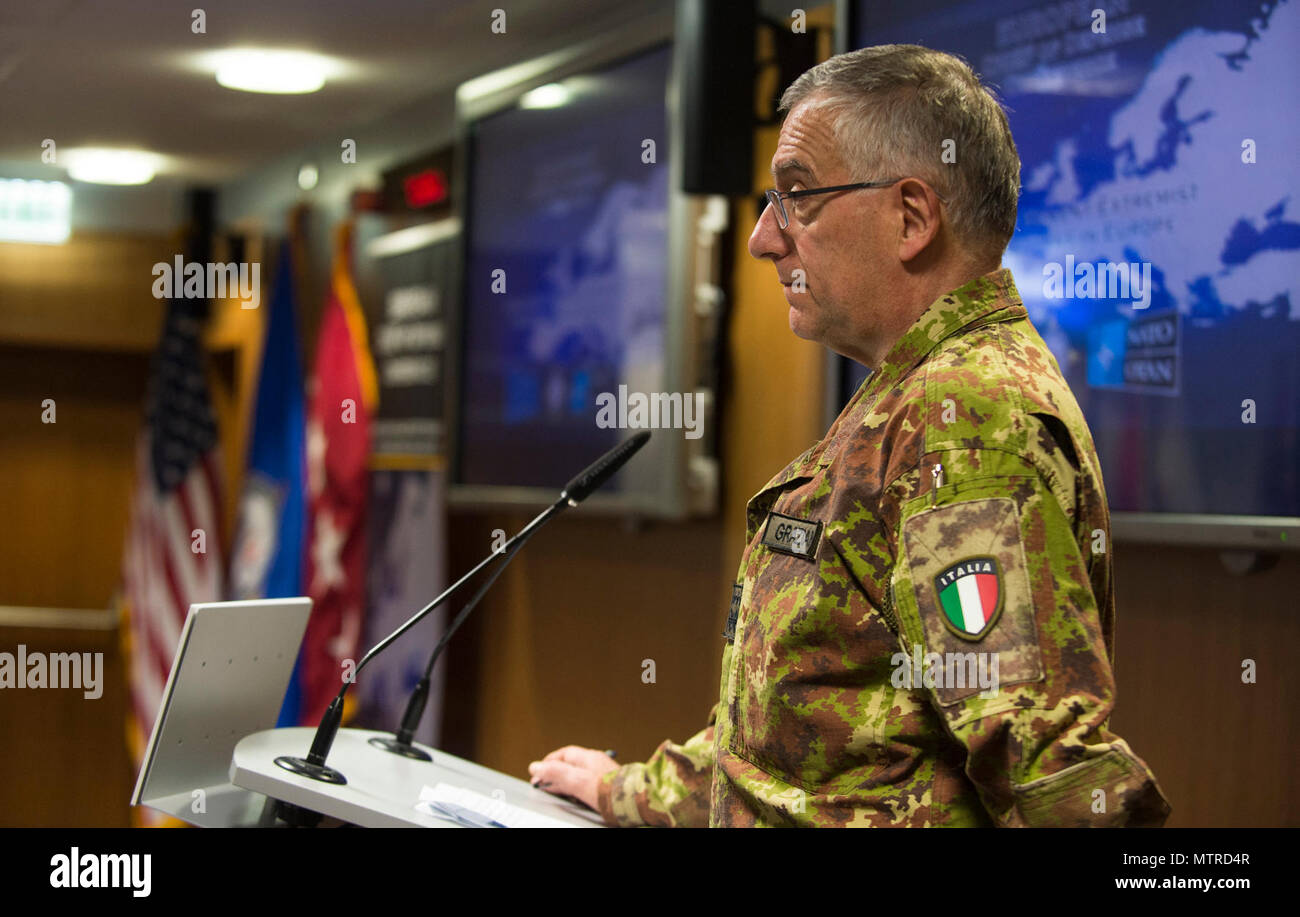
343 396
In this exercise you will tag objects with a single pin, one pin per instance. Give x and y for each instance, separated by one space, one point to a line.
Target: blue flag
267 558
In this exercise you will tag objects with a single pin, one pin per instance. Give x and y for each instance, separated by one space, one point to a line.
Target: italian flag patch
970 594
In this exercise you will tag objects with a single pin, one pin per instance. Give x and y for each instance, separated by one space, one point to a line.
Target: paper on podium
442 800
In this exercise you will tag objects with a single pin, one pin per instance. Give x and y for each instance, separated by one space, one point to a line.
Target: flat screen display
566 273
1159 137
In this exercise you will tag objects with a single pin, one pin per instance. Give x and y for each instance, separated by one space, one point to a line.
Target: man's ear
921 218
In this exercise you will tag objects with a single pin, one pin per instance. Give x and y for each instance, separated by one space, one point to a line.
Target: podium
382 788
211 756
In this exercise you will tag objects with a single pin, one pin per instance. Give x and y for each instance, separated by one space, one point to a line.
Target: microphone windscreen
598 472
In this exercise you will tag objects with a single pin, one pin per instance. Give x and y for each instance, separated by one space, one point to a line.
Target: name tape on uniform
789 535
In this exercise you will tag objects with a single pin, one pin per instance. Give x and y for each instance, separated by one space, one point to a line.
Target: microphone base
305 768
397 748
296 816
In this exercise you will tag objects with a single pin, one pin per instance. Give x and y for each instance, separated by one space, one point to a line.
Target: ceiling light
111 167
308 176
35 211
552 95
271 71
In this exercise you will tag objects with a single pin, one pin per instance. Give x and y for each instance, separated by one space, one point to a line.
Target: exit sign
421 185
425 188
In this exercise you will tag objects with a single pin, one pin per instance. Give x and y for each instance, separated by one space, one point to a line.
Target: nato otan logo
970 595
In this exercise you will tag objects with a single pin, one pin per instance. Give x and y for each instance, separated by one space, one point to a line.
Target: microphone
577 490
598 472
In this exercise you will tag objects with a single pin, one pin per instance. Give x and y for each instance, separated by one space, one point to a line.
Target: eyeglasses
777 198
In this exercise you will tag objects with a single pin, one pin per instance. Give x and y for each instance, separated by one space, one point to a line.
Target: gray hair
895 106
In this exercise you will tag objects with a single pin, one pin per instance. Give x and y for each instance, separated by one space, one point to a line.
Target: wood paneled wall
78 325
66 763
1223 751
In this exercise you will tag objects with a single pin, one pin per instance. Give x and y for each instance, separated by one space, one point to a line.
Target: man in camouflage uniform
922 629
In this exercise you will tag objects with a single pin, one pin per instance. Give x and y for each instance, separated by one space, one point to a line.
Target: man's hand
572 771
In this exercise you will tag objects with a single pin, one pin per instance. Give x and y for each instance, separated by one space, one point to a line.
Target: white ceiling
121 72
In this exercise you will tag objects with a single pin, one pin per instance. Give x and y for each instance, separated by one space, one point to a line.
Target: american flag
176 510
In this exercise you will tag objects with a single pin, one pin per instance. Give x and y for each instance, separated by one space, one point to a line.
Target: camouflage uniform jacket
923 627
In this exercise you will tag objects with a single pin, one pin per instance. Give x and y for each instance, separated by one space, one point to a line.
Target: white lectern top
382 788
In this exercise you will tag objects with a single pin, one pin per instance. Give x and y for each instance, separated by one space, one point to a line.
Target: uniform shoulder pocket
963 599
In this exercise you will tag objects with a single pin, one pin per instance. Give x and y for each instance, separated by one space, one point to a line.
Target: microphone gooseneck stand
577 490
401 742
314 766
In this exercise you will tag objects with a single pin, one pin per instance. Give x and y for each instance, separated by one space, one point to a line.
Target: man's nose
767 239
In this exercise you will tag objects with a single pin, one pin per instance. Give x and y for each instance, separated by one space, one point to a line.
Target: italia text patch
970 596
970 591
789 535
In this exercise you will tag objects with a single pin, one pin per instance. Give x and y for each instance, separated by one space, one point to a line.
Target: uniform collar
984 300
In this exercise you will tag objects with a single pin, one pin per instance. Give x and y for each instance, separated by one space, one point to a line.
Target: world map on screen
1157 245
